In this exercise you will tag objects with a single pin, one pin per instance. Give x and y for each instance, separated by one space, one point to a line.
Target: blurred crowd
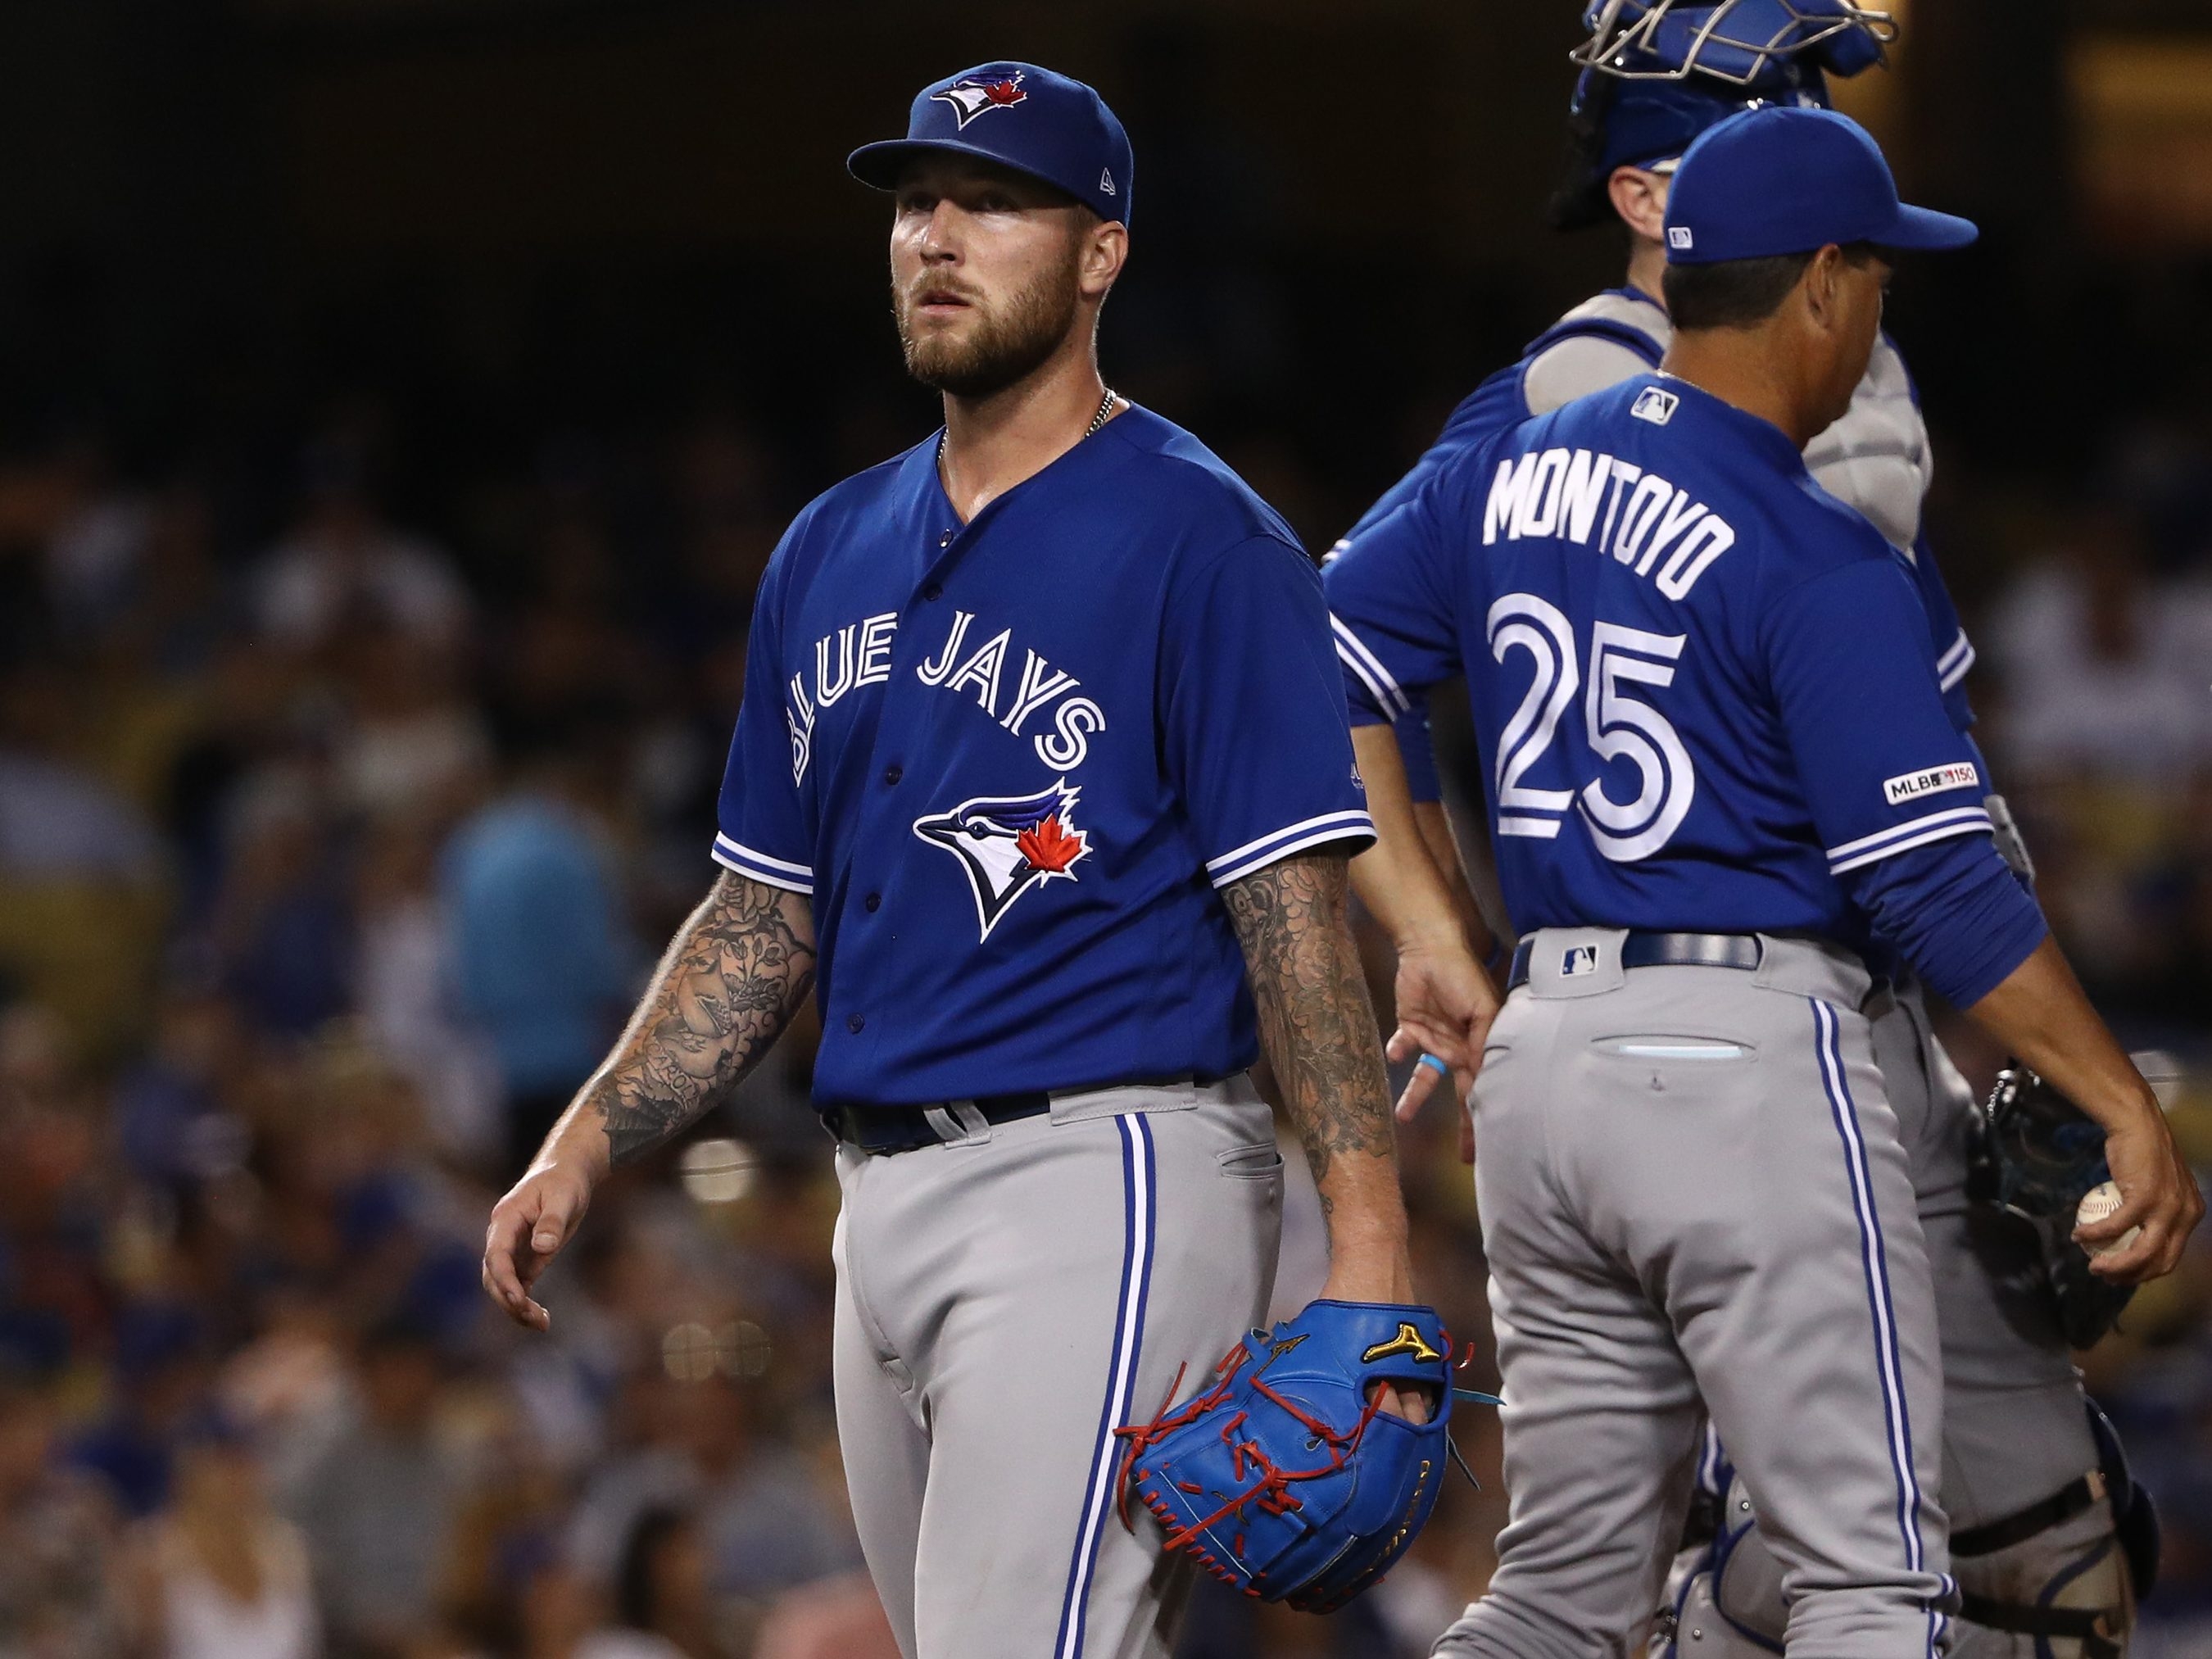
335 842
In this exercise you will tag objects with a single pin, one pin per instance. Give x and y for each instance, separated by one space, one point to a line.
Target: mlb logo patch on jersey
1580 959
1911 785
1009 844
977 95
1656 404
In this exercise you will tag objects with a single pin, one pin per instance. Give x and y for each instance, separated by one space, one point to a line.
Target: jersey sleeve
1255 733
1895 789
1417 750
761 828
1390 599
1954 652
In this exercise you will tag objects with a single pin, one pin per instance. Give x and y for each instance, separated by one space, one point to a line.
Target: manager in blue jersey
2050 1537
1720 769
1042 786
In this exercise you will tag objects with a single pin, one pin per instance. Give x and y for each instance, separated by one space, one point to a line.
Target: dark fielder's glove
1283 1478
2038 1155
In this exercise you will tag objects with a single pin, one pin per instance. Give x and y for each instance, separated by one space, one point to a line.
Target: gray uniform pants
1692 1187
2015 1430
1004 1302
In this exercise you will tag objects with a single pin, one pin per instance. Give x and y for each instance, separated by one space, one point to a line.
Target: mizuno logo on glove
1408 1341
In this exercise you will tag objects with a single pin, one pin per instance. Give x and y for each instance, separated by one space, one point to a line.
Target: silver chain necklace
1105 408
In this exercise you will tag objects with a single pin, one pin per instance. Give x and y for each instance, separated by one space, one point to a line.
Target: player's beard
1005 343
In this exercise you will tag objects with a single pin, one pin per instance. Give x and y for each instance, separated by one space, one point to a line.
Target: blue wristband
1434 1064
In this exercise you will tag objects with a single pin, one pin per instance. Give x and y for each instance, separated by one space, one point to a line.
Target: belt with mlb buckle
884 1130
1643 950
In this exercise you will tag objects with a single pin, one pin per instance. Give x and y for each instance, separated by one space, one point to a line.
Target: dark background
559 308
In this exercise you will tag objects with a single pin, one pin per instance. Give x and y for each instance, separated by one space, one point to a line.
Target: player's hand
1412 1404
2158 1193
1446 1002
528 1228
1379 1276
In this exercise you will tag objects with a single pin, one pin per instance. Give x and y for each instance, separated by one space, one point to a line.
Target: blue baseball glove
1283 1477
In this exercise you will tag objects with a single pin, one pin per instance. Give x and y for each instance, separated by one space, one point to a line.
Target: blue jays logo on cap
978 95
1009 844
1065 134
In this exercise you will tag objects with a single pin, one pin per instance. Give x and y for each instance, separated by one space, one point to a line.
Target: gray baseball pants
1693 1187
2015 1430
1005 1301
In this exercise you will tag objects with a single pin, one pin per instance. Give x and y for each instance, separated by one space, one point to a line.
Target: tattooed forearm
1316 1023
736 972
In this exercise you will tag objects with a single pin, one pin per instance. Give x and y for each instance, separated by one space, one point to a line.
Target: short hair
1741 293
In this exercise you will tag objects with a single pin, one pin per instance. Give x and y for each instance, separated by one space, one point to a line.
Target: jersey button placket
893 772
874 901
856 1023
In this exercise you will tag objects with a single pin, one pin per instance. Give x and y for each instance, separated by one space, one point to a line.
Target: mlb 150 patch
1933 781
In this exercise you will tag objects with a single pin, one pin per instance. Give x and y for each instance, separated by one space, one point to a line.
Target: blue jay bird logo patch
1009 844
976 94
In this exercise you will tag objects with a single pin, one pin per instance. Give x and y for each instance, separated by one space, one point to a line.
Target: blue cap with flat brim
1020 117
1781 179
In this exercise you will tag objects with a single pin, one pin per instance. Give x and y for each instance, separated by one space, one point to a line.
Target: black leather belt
1642 949
884 1130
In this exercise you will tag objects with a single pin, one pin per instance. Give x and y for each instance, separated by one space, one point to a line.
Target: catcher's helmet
1656 73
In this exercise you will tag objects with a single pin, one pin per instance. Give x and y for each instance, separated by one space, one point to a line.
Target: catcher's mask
1656 73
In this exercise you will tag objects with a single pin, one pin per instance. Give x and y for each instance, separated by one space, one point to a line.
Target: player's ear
1820 289
1640 198
1105 249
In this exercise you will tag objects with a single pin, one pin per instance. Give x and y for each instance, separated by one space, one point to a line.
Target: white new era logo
1654 405
1678 236
1106 180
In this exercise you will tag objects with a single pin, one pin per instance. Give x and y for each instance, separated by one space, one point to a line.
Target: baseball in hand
2096 1204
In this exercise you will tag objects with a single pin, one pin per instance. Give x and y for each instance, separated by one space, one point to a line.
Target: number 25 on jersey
1619 726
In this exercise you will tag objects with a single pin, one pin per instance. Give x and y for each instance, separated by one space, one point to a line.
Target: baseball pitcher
1042 786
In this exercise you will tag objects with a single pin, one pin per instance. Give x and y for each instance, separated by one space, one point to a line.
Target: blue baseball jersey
1012 761
1622 332
1705 689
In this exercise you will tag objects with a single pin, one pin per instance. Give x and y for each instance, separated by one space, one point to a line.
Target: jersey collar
1771 439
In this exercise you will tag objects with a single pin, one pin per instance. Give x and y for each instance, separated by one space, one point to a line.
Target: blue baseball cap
1020 117
1780 179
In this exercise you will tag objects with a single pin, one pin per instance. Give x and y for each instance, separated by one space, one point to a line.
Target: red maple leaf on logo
1005 92
1050 847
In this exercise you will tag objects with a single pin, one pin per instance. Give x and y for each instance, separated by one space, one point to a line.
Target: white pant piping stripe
1136 1275
1874 1264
